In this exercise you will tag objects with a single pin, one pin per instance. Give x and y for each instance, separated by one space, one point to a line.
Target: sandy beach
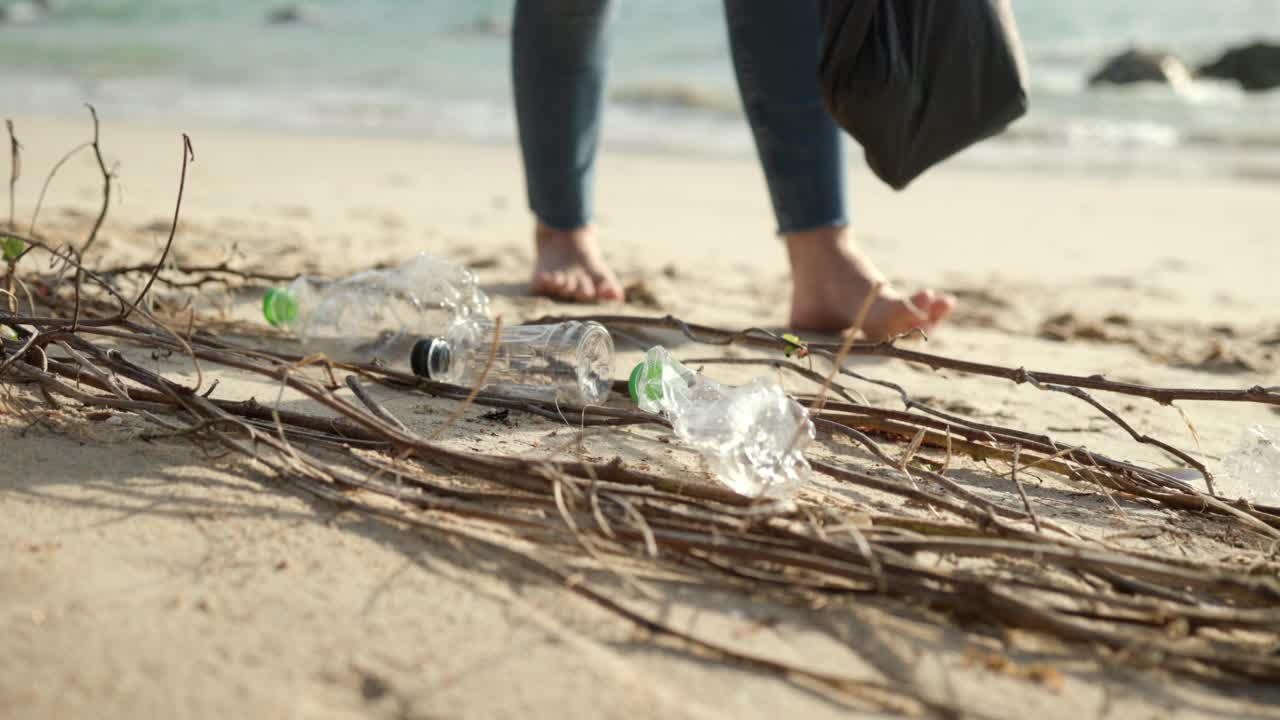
142 578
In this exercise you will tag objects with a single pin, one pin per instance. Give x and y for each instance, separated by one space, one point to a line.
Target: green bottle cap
653 391
279 307
633 383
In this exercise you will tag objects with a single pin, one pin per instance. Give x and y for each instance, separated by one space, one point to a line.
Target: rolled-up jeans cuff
838 222
563 223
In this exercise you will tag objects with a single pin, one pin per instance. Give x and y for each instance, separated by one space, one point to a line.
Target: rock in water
489 25
1255 66
23 11
1138 66
289 15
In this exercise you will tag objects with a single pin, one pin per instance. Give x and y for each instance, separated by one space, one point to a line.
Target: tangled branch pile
76 333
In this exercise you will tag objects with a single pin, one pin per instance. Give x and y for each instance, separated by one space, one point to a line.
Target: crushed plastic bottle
1254 469
376 314
753 436
569 362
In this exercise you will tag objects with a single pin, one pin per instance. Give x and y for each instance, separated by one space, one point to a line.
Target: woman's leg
558 55
775 46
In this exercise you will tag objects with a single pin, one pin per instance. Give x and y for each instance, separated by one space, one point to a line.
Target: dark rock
1255 66
1137 66
289 15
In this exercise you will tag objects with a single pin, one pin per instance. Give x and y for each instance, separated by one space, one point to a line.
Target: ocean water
440 69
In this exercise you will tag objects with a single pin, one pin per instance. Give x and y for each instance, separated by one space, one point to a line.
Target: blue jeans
558 55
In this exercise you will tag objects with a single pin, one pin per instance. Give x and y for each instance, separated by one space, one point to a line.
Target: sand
144 579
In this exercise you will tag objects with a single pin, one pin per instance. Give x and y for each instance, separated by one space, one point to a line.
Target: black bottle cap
420 356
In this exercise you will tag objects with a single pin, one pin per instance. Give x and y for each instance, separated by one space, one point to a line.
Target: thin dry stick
106 184
475 389
75 310
374 406
221 273
1137 436
1191 427
1026 503
1092 476
912 448
188 156
946 463
15 170
1049 459
48 179
20 351
815 408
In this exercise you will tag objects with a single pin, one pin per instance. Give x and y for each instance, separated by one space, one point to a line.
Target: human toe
608 289
942 306
931 307
584 290
551 283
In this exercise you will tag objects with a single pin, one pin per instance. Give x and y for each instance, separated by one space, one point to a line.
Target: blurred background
439 69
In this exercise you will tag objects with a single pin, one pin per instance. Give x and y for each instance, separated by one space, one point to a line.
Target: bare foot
831 279
569 267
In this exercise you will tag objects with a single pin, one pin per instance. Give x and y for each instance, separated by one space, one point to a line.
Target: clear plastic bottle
1254 469
376 314
752 435
568 362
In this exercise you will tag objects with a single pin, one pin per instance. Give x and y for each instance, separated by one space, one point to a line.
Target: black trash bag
916 81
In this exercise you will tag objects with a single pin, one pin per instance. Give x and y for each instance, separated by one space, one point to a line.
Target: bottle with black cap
376 314
570 362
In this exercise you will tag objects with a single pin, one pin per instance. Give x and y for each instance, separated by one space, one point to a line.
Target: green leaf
12 247
793 344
